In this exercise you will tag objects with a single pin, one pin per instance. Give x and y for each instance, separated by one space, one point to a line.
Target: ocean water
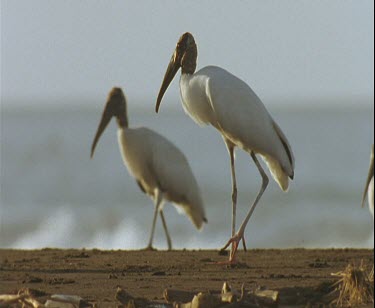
53 195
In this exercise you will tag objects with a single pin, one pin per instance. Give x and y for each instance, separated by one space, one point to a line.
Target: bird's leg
235 240
158 202
230 147
166 230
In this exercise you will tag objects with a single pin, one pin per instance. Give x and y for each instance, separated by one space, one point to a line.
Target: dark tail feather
286 146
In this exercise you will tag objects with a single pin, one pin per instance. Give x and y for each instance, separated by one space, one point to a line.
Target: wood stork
214 96
369 188
159 167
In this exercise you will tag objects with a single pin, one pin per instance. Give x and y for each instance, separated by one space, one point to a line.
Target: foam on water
57 230
67 227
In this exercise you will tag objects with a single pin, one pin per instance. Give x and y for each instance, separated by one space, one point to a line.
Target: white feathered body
156 163
371 197
214 96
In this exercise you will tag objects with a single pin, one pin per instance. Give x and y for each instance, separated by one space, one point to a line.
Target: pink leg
231 147
236 239
158 203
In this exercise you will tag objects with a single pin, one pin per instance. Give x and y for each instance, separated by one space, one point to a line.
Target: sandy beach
301 276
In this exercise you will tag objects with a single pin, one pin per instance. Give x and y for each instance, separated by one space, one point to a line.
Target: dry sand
301 276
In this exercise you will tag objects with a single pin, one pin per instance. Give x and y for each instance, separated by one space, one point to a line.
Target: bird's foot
149 248
234 241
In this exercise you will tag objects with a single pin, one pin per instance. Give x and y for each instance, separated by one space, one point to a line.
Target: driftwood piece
267 297
57 304
231 296
130 301
72 299
26 300
65 301
9 299
201 300
172 295
32 302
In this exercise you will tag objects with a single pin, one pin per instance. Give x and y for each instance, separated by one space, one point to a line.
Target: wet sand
301 275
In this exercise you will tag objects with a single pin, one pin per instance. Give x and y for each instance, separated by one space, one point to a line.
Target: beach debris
9 299
28 298
355 286
201 300
129 301
267 298
56 304
25 297
122 296
231 296
228 297
65 301
172 295
32 302
32 292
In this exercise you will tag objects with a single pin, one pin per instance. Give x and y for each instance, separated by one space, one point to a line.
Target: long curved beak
106 118
172 69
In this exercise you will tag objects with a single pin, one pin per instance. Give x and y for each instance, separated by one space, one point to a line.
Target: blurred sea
53 195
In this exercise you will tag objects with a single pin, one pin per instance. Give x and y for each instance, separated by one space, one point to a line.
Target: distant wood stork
369 188
214 96
159 167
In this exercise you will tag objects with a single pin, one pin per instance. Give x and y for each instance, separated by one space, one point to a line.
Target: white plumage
214 96
159 167
158 164
371 197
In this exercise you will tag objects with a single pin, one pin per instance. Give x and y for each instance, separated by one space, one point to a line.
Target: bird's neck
122 121
188 71
189 60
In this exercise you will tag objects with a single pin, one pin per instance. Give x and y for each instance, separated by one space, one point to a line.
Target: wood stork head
184 57
115 107
369 176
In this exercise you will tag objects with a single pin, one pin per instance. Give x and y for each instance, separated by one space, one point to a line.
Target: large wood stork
159 167
369 188
214 96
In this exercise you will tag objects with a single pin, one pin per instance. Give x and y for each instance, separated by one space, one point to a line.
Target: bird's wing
175 178
239 112
286 145
245 121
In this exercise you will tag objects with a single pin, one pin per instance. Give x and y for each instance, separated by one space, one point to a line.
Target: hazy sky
285 50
